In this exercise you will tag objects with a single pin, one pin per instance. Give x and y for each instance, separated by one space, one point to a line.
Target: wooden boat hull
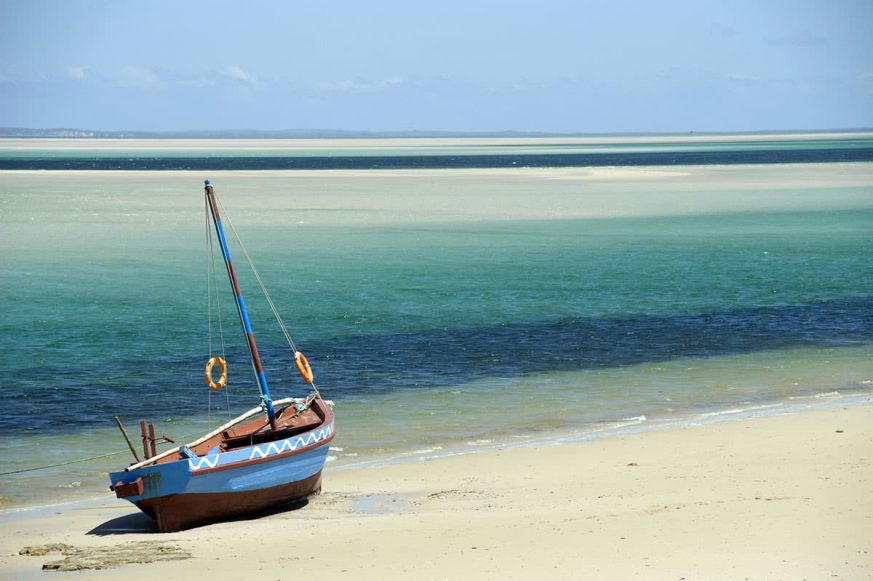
196 490
178 512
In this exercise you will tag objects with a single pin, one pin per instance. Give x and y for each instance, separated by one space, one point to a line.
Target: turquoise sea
443 310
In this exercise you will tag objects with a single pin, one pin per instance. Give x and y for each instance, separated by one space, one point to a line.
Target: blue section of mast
241 307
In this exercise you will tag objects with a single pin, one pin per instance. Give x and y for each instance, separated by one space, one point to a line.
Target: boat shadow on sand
137 523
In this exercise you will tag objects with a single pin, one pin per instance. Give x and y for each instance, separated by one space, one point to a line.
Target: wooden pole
145 439
126 438
152 441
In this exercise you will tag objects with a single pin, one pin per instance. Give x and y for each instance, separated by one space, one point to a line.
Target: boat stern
123 490
150 481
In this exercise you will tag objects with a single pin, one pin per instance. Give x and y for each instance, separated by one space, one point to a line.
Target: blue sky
452 65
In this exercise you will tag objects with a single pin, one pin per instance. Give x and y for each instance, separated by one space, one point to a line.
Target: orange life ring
222 381
303 367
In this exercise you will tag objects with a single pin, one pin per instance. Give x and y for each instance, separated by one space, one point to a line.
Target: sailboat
271 455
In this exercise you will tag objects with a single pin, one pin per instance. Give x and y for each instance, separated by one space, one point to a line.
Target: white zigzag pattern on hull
203 461
263 451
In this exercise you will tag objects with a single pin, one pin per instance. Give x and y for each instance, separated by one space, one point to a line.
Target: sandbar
315 144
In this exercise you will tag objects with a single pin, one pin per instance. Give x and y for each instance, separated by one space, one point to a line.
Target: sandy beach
784 497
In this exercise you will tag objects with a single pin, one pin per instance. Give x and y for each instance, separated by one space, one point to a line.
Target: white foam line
638 419
733 411
828 394
44 509
617 429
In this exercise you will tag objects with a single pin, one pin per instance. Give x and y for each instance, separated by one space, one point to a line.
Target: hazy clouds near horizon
553 66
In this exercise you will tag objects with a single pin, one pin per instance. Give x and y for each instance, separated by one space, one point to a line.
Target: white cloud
11 74
77 72
722 30
155 78
139 78
238 74
803 38
198 83
742 77
363 85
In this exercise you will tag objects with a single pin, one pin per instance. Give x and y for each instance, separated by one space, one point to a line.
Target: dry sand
785 497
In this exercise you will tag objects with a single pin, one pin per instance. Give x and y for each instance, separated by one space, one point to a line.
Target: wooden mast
241 307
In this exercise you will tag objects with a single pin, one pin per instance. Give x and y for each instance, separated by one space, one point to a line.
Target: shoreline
592 432
768 497
630 426
343 459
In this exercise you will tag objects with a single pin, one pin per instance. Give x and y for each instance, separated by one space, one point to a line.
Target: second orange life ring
303 367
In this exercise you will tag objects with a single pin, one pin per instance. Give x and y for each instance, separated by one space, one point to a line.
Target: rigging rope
263 288
208 282
183 438
260 282
63 463
212 285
